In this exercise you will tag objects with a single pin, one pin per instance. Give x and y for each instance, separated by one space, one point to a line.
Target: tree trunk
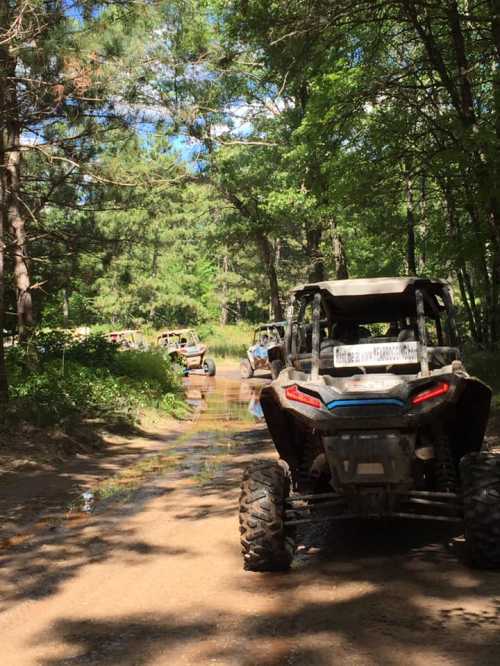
4 385
485 280
495 296
495 32
18 230
411 260
424 221
466 98
268 258
317 265
65 307
12 165
339 253
467 306
464 280
224 314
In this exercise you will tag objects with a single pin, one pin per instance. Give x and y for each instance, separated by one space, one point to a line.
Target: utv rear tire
266 544
481 493
209 367
276 368
246 370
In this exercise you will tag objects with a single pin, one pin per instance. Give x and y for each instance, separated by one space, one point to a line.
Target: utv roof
270 324
377 299
176 331
371 286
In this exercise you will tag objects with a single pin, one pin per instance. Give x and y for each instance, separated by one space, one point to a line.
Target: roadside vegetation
227 342
58 381
194 180
486 366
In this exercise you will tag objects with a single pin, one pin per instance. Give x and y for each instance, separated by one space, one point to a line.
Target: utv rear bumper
374 503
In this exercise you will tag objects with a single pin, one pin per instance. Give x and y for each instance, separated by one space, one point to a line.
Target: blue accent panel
364 402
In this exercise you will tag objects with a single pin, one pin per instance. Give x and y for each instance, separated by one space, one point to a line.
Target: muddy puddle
224 400
223 406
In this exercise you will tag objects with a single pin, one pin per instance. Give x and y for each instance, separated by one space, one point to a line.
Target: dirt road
158 580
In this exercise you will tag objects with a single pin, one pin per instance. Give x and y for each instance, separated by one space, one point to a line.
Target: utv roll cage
374 416
274 330
411 303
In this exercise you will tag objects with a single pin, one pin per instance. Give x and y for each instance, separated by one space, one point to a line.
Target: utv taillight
293 393
434 392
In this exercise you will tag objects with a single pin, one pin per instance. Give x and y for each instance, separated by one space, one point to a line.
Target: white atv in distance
266 351
185 350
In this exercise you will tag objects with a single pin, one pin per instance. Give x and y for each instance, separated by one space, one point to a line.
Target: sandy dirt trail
159 580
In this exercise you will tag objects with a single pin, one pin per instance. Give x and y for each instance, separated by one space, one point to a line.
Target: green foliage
268 137
89 378
230 341
59 393
153 369
485 366
93 350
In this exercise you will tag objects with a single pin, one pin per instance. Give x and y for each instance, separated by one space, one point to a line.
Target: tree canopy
189 161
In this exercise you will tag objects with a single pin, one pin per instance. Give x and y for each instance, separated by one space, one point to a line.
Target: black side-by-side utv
373 416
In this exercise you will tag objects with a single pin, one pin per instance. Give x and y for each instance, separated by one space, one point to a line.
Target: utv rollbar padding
289 333
423 351
450 321
316 320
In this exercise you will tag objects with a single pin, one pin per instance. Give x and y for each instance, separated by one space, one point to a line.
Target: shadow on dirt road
159 580
365 596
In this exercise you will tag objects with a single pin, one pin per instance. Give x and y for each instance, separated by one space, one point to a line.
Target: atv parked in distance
185 349
374 416
127 339
266 351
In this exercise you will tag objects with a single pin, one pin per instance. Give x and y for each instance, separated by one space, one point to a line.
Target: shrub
149 366
57 393
88 378
95 350
485 366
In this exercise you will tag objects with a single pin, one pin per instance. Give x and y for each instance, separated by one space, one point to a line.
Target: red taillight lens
434 392
293 393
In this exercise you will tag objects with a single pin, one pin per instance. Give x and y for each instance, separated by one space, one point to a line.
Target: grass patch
209 470
121 486
231 341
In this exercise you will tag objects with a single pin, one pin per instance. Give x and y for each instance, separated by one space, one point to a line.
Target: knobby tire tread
266 544
481 495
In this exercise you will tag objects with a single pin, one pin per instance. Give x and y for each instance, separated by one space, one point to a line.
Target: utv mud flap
375 457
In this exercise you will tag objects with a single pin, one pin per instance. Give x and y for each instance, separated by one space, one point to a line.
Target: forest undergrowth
69 390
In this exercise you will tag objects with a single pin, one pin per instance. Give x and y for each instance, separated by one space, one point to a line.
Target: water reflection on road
224 399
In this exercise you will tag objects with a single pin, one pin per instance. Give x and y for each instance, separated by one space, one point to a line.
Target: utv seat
406 335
